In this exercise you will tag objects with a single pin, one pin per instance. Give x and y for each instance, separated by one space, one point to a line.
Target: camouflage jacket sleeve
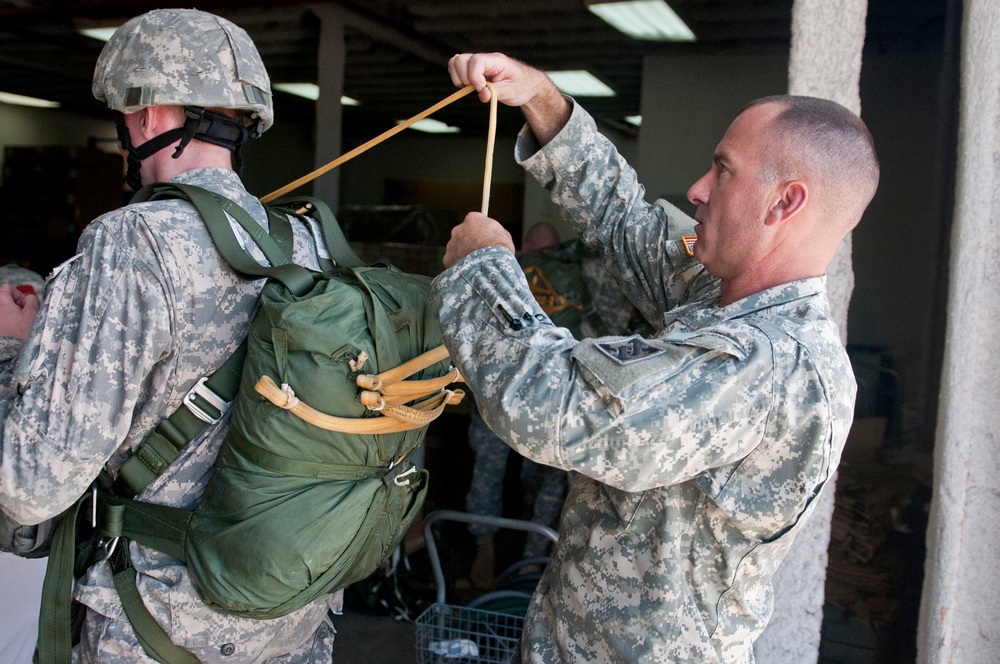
10 347
681 407
102 326
599 195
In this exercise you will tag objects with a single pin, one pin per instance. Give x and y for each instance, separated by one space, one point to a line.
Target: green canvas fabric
292 510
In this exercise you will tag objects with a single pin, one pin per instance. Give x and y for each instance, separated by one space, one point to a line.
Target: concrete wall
960 611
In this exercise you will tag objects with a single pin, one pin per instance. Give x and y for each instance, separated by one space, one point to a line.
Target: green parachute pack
314 484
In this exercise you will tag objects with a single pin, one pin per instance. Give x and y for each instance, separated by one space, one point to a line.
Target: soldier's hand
516 84
475 232
17 312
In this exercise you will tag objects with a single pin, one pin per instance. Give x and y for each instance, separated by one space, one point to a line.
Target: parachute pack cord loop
491 139
386 393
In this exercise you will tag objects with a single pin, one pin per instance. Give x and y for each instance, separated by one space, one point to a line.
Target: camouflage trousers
544 487
109 641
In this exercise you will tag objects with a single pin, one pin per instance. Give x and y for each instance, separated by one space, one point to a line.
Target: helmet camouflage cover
183 57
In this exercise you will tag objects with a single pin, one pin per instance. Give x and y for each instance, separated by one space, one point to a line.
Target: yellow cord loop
392 419
405 370
385 393
490 142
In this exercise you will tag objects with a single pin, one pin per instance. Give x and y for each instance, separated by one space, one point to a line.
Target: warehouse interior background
400 199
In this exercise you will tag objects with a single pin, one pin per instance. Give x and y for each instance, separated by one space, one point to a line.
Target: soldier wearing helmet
130 324
199 63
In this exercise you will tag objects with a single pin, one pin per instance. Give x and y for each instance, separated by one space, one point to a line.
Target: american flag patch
689 241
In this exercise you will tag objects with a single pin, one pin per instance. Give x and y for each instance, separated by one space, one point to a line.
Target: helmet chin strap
199 124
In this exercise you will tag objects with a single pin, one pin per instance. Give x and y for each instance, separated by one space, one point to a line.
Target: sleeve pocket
622 369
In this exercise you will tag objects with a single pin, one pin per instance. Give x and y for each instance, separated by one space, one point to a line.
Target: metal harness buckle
208 395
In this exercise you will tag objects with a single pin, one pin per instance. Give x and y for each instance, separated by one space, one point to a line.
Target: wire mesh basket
450 634
459 634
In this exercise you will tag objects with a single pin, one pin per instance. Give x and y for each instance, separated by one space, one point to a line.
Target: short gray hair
826 139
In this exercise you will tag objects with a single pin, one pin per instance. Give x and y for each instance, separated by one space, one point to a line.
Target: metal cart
486 630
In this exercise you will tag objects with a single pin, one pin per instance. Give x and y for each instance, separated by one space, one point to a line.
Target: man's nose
698 193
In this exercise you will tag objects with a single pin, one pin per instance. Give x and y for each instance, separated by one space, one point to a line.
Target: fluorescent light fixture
644 19
634 120
431 126
21 100
580 83
309 91
102 34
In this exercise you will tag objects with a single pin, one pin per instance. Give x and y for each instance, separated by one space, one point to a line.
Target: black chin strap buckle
192 125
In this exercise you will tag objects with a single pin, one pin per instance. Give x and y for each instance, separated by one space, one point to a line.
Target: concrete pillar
330 61
960 609
825 61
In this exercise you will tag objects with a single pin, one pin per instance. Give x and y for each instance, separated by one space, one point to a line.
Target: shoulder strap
213 208
203 406
336 243
207 402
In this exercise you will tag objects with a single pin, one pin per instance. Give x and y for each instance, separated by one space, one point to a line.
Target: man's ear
792 197
154 120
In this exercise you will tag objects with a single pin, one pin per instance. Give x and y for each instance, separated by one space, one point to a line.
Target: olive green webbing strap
153 639
304 207
160 526
213 208
174 432
55 619
200 409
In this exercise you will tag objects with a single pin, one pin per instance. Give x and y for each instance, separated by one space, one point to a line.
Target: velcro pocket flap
623 368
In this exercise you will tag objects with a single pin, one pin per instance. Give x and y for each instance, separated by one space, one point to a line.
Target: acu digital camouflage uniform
129 324
699 452
599 310
145 309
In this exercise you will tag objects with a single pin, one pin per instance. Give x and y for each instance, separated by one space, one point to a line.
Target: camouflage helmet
183 57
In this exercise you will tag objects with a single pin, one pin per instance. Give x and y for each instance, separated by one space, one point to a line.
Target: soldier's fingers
457 68
29 302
